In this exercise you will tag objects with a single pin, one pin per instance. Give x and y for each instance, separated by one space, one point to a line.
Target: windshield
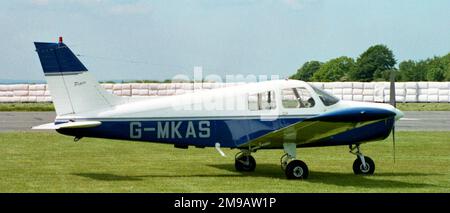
326 98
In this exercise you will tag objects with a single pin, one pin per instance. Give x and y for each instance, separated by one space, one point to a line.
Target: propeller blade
393 140
392 100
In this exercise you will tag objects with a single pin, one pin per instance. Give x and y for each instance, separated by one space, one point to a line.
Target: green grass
26 107
48 162
424 106
49 106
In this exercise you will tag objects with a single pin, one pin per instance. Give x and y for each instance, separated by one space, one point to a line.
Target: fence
357 91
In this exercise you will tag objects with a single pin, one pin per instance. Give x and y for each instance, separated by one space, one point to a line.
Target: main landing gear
363 165
297 169
244 162
294 169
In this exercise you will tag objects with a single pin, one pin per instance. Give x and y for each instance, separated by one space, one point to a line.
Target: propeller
393 103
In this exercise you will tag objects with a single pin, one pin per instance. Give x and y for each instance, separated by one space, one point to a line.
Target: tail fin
72 88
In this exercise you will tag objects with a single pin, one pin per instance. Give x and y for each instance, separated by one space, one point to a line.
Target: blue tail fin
57 58
72 88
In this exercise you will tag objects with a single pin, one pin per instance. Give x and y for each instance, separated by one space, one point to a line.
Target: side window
288 98
262 101
305 98
297 98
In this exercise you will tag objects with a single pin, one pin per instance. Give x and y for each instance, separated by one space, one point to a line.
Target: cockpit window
326 98
297 98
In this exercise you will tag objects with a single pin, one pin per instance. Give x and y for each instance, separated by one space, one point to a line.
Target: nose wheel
360 169
363 165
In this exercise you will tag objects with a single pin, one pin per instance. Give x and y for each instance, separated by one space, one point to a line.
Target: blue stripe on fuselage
228 132
235 131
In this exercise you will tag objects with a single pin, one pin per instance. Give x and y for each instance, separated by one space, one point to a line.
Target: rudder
72 88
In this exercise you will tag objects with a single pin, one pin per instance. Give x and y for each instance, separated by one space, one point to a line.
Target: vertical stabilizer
72 88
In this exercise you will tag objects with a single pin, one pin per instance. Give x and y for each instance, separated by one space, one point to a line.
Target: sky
143 39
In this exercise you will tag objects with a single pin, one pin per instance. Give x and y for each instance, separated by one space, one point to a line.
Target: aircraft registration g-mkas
277 114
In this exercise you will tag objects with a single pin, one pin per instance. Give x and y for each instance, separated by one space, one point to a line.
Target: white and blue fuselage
183 121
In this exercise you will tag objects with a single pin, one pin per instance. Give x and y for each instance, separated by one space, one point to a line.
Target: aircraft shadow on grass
271 171
338 179
115 177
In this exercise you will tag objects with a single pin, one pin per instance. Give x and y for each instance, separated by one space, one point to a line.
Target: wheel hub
298 171
245 161
364 169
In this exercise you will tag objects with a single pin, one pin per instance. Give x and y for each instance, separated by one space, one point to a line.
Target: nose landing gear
363 165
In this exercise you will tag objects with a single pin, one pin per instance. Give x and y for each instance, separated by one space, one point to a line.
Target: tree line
375 64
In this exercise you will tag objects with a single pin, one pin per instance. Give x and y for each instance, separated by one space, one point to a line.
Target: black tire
359 169
296 169
245 163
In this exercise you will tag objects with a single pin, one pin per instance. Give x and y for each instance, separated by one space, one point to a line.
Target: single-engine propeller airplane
277 114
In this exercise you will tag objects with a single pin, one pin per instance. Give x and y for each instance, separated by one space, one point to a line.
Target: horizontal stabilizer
69 125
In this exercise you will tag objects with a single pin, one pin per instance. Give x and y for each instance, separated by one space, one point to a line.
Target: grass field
49 106
424 106
6 107
49 162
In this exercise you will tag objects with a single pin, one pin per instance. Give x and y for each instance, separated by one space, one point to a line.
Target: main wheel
359 169
296 169
245 163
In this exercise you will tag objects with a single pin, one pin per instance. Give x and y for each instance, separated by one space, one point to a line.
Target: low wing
323 126
68 125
